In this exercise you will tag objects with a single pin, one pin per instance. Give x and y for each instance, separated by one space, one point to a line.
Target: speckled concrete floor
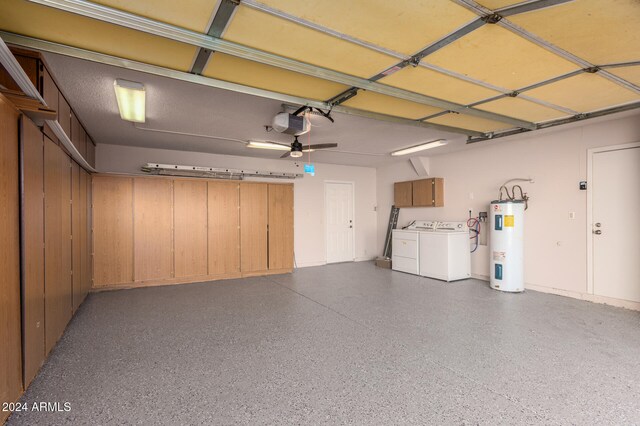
341 344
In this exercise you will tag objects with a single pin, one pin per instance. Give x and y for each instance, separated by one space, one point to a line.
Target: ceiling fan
297 148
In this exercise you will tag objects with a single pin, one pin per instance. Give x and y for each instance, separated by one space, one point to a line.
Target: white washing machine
445 252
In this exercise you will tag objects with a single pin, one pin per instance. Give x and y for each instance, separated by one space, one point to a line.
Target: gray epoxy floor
341 344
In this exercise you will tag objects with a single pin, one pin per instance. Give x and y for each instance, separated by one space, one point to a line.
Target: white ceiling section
461 70
179 106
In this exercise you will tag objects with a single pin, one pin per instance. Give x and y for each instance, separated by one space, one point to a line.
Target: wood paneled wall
10 340
160 230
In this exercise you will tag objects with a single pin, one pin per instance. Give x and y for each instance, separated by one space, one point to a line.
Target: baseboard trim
627 304
188 280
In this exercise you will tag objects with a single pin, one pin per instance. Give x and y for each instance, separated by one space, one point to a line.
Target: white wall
309 231
555 246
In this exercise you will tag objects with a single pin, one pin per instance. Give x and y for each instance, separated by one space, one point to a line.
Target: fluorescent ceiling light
131 100
428 145
268 145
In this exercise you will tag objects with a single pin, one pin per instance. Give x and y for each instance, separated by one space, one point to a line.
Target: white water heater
507 233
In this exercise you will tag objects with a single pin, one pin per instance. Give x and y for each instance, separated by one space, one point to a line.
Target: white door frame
353 212
589 230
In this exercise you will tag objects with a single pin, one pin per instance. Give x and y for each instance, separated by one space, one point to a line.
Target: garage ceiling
475 68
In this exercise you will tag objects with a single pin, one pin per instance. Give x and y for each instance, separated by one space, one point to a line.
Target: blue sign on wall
310 169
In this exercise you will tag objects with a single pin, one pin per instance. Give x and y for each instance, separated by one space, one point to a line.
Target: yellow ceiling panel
438 85
193 14
631 74
584 93
397 25
32 20
375 102
600 31
522 109
498 4
269 33
254 74
499 57
469 122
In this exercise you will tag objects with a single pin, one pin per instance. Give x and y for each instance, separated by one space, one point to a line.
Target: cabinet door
153 228
10 356
76 237
112 230
64 114
253 226
78 135
423 193
190 229
438 192
91 152
85 276
281 226
57 238
402 194
224 224
32 248
49 90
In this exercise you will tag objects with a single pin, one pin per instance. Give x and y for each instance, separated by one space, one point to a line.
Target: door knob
598 225
597 232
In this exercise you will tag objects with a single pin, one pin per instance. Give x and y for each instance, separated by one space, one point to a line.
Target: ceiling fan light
421 147
267 145
296 154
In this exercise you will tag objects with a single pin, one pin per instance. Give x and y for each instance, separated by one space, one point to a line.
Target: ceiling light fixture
268 145
428 145
131 100
296 149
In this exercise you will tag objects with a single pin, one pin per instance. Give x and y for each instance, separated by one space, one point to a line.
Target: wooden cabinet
190 227
280 226
76 238
428 192
253 226
188 230
402 194
419 193
10 353
31 145
84 232
78 135
112 230
224 227
57 238
49 90
64 114
36 69
153 228
91 152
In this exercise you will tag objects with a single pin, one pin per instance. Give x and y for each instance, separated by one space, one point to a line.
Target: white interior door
339 220
616 227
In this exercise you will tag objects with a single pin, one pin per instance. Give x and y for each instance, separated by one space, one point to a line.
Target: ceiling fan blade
321 146
285 155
